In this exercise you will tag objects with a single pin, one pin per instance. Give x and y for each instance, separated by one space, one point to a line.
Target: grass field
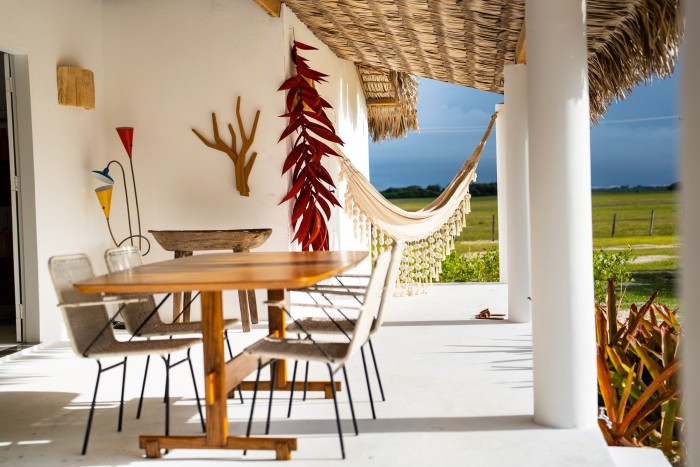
656 265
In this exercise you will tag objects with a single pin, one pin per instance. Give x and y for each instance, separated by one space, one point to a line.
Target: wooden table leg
245 311
177 297
252 306
186 300
214 368
278 327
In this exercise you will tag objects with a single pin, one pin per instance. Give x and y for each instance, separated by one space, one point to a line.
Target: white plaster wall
161 67
63 144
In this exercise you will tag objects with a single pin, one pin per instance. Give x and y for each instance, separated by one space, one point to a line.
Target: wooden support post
651 224
521 46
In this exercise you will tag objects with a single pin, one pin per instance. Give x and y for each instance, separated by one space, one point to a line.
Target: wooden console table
185 242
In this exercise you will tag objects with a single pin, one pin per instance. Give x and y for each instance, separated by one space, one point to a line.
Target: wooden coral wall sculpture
241 162
310 180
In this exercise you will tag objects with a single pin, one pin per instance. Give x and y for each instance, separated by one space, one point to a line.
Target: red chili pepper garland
313 198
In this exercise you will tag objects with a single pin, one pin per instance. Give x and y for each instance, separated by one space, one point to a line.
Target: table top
227 271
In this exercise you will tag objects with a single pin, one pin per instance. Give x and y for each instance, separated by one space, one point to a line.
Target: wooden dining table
211 274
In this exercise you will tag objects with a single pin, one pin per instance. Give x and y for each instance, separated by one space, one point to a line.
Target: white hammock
429 233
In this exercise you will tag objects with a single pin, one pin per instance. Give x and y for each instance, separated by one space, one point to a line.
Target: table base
324 386
153 445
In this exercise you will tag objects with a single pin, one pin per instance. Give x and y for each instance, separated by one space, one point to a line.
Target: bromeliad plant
638 368
311 182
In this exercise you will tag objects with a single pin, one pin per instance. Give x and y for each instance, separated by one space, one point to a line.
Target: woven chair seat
156 328
322 326
297 349
132 348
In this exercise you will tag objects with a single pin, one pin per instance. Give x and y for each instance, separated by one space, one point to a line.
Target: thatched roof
391 102
468 42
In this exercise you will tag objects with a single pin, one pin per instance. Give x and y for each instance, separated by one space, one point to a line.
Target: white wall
162 67
59 206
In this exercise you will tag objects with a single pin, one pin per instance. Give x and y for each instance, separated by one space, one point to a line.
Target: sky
635 142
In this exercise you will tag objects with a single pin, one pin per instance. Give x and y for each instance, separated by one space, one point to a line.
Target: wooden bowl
196 240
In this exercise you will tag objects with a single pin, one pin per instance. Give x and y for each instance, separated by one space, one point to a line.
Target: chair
344 325
142 319
91 334
333 354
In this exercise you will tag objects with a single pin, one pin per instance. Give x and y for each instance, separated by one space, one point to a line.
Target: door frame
25 244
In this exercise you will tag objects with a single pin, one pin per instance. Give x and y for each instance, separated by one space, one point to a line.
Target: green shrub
481 267
613 265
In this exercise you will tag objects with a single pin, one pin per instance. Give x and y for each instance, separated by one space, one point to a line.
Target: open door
11 306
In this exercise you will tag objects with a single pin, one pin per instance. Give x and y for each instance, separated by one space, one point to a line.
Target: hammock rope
429 233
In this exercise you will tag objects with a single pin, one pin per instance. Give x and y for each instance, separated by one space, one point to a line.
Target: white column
517 194
690 224
563 331
502 180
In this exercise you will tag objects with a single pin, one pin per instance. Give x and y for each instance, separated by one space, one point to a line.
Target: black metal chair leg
252 405
291 390
306 380
121 400
92 410
196 393
240 393
337 413
352 408
376 369
369 386
228 344
143 387
167 394
273 370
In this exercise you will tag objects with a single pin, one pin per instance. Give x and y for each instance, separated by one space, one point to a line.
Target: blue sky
635 143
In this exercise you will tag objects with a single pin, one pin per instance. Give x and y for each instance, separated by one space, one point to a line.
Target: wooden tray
196 240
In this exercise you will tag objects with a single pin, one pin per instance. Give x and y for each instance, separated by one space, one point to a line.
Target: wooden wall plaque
76 87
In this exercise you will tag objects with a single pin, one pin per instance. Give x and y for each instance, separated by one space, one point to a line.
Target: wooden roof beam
380 102
271 7
521 47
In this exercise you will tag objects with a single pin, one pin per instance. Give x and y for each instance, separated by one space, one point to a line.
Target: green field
657 255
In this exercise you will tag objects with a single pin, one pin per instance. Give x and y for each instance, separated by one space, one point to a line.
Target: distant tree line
433 191
490 189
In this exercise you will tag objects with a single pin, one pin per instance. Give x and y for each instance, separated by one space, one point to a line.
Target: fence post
493 227
612 234
651 224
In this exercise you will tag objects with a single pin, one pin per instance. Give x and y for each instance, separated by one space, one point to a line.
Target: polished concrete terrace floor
458 393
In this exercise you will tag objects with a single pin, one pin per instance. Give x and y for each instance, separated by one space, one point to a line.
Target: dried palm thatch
468 42
391 102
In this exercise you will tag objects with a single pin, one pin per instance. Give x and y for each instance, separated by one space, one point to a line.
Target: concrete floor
459 392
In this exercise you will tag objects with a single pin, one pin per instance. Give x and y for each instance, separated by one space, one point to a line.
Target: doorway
11 310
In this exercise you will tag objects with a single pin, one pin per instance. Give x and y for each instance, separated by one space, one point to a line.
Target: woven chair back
134 314
390 284
371 303
86 322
